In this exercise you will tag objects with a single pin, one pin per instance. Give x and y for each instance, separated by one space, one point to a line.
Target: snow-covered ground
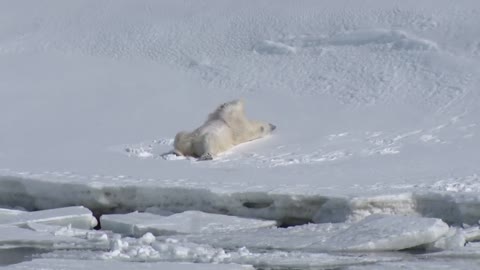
376 104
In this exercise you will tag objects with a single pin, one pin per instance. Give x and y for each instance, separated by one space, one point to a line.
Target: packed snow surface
376 105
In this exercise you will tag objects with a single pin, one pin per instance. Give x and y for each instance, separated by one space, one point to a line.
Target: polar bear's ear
240 103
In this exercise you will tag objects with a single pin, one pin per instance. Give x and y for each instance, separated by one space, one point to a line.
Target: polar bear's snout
272 127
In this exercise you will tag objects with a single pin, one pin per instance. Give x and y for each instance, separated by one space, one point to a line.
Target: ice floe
60 264
75 216
137 224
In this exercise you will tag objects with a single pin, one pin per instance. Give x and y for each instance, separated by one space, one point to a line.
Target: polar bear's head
259 129
265 128
233 114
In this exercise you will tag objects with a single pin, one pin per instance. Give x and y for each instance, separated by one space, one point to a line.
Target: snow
398 84
376 108
137 224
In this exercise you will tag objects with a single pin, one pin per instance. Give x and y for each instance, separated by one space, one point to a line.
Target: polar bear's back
217 126
214 136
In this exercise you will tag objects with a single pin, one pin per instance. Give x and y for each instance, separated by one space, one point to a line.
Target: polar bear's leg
207 146
182 145
206 156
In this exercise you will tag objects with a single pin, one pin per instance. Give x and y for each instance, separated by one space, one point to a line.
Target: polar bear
224 128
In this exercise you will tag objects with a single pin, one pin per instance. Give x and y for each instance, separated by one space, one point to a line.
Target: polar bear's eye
262 129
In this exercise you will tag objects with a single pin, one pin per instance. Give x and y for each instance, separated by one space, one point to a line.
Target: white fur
226 127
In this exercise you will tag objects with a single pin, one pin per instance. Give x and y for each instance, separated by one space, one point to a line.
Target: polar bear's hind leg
206 156
207 147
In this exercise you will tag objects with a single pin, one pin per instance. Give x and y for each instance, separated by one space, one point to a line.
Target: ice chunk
455 238
292 238
299 260
158 211
76 216
472 233
429 264
375 233
471 250
386 233
90 235
188 222
132 249
60 264
12 236
8 214
37 235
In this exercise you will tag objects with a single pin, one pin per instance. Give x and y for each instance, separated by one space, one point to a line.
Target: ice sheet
11 236
59 264
76 216
374 233
386 233
439 264
137 224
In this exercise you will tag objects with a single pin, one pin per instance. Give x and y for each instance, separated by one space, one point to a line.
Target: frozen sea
374 163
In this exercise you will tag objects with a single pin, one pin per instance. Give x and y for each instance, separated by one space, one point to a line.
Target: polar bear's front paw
176 153
206 156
